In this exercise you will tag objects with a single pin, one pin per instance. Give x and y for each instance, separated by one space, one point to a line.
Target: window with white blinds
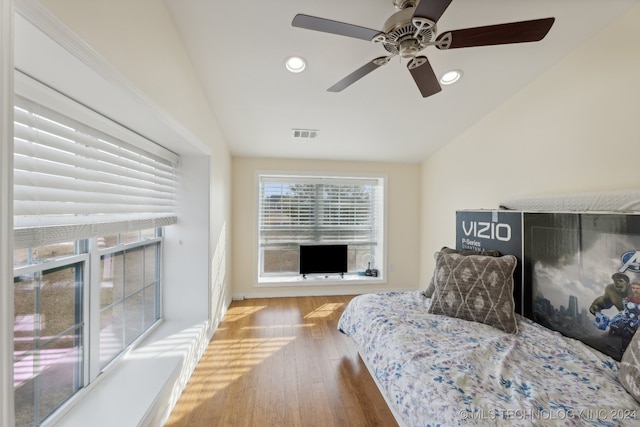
89 196
296 210
73 181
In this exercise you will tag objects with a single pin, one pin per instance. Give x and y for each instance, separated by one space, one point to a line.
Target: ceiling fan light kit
413 28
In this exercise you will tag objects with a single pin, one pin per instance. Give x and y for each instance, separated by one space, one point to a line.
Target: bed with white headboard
457 353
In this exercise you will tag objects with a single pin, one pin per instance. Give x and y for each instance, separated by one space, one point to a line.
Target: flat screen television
323 259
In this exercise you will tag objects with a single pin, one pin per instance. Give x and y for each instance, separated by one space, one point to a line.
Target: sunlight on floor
232 359
324 310
299 325
236 313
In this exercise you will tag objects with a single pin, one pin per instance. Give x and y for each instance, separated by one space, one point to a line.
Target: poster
583 271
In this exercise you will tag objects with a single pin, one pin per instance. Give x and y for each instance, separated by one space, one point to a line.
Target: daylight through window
296 209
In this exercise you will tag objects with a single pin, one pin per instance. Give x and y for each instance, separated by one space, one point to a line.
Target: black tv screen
323 259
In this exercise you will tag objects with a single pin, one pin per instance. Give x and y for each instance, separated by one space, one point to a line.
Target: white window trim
7 417
318 280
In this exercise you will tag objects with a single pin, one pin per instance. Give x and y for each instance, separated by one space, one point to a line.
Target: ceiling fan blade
358 74
431 9
514 32
423 74
334 27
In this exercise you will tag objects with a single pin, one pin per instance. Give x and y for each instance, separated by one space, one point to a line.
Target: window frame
68 261
7 24
352 278
88 254
84 227
96 366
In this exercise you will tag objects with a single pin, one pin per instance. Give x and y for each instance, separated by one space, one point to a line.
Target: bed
488 365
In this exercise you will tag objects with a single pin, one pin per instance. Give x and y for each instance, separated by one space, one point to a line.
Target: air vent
305 133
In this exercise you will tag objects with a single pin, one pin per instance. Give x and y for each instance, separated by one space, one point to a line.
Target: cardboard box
576 271
579 268
493 230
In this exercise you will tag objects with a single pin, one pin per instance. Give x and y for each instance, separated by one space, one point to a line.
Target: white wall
403 215
185 252
576 128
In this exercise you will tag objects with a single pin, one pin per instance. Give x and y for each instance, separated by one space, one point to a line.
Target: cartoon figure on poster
625 297
586 282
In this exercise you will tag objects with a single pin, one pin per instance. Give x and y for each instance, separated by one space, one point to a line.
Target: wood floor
281 362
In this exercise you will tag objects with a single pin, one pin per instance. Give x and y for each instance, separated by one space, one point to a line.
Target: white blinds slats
28 181
72 181
44 172
296 210
32 115
81 145
89 159
49 201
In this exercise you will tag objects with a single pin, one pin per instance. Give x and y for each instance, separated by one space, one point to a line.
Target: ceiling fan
412 28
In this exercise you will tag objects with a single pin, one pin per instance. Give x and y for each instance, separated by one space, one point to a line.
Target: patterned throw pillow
477 288
432 287
630 367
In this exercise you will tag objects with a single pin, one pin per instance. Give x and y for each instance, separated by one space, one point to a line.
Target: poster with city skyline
581 269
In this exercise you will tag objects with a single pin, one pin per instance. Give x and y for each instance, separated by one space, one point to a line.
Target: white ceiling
238 49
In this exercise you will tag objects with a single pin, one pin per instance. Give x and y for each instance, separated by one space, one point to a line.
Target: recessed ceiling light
295 64
450 77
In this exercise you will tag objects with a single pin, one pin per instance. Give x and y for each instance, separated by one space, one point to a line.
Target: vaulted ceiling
238 49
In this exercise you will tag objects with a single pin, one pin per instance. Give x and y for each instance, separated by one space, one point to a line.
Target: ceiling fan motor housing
413 28
403 4
403 37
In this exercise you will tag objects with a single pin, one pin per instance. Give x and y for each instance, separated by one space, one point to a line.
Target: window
302 209
90 201
49 336
129 289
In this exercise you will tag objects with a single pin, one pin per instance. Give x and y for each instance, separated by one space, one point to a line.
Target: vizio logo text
487 230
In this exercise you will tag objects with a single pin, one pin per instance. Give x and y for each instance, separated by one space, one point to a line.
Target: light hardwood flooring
281 362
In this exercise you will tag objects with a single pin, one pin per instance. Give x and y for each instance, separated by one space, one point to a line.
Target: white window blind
73 181
303 209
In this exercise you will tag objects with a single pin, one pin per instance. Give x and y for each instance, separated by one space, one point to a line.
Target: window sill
143 385
319 280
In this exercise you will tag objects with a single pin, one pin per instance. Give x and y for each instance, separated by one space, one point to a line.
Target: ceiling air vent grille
305 133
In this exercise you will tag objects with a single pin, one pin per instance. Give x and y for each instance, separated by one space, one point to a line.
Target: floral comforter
441 371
